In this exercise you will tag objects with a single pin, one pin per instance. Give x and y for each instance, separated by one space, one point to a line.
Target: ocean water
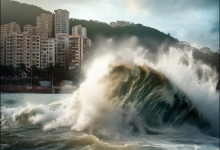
125 102
24 133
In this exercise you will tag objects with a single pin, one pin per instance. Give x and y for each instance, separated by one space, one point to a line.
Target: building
10 28
78 49
61 21
62 49
35 50
120 24
13 27
98 21
123 23
113 24
32 30
14 49
4 29
79 30
22 48
3 49
44 24
47 52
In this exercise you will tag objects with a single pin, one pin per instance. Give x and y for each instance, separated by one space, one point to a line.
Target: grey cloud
178 6
215 28
187 20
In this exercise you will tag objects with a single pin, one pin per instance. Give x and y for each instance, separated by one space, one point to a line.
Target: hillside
152 39
12 11
148 37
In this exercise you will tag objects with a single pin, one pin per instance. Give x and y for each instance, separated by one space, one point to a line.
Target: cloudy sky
193 21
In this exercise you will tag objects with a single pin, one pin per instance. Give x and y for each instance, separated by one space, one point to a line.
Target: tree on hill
152 39
21 13
12 11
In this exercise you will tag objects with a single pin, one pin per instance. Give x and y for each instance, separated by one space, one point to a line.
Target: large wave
128 92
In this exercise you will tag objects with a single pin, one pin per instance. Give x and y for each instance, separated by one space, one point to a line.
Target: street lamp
31 77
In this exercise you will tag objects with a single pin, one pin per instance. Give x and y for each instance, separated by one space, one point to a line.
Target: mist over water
130 94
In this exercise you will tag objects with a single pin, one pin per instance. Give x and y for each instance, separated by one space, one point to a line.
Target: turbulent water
128 101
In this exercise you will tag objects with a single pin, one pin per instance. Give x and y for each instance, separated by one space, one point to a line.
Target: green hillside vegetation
148 37
152 39
12 11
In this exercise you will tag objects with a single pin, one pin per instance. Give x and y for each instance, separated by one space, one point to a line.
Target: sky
192 21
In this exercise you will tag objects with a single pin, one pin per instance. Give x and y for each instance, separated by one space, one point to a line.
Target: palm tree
23 69
11 72
18 73
50 70
35 71
3 72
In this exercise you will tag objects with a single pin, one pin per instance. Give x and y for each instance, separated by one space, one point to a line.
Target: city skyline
194 22
35 45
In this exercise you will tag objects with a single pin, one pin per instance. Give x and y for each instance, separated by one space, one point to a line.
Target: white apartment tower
61 21
79 30
44 24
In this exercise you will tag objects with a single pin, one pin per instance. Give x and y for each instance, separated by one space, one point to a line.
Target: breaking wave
131 95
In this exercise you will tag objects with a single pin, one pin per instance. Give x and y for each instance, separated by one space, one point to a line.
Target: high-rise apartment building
61 21
4 29
10 28
14 49
30 29
78 49
3 49
47 52
62 49
35 50
22 48
44 24
79 30
13 27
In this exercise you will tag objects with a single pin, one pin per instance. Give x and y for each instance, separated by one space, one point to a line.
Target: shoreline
37 89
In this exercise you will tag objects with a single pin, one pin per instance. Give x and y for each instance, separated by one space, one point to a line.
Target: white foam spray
89 110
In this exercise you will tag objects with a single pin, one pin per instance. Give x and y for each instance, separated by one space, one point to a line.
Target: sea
127 101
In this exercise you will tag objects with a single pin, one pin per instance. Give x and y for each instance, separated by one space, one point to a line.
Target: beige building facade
10 28
44 24
22 48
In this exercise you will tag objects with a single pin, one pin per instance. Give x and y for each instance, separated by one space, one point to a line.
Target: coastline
36 89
